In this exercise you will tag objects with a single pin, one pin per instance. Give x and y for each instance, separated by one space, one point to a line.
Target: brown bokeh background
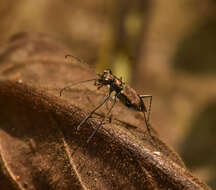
163 48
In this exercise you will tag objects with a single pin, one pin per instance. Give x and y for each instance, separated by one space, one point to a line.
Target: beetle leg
98 127
150 103
147 124
148 113
94 110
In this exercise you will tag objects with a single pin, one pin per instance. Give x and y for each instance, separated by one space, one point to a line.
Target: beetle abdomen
131 99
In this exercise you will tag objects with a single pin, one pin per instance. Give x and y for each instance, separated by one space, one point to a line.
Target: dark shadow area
196 53
198 149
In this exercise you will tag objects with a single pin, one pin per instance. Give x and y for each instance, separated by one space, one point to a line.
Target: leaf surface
40 147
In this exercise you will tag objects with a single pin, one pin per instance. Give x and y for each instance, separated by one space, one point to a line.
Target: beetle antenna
75 83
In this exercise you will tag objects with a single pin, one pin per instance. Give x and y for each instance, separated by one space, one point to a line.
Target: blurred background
163 48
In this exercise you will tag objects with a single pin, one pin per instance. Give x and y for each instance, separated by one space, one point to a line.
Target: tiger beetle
127 95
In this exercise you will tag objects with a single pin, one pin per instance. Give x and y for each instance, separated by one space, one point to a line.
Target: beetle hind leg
149 107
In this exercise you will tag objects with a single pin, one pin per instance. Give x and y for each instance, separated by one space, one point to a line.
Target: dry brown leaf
39 145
